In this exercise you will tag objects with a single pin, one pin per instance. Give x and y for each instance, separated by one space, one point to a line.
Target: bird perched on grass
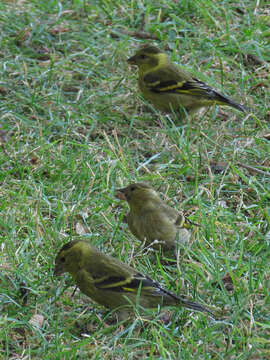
171 88
111 283
151 220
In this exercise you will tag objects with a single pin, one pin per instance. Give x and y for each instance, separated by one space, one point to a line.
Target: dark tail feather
237 106
195 306
224 100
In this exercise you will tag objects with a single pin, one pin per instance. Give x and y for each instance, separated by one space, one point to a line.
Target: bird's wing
175 216
158 223
163 81
131 283
134 283
181 82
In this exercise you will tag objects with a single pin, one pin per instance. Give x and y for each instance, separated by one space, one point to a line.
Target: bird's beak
132 60
120 194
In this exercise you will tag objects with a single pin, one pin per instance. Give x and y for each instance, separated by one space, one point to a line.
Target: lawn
74 128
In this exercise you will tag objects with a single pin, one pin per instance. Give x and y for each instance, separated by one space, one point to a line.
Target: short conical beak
120 194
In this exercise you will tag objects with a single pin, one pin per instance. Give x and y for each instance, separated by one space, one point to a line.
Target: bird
112 283
151 220
171 88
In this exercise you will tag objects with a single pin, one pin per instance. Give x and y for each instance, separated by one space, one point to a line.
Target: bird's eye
62 259
142 56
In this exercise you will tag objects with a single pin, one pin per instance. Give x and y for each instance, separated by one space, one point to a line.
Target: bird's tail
224 100
195 306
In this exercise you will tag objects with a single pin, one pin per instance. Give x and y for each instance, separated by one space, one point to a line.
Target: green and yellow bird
112 283
172 89
151 220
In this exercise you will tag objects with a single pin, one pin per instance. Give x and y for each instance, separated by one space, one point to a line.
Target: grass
73 129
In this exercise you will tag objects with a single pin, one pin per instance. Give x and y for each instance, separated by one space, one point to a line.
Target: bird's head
147 57
137 194
70 257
